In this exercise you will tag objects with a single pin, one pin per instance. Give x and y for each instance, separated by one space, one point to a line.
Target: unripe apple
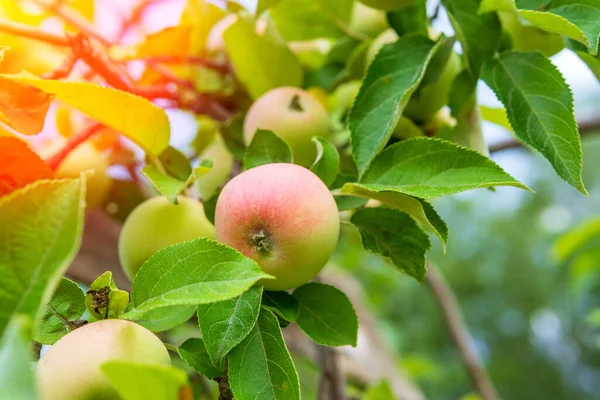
283 217
86 157
367 21
292 114
71 368
157 223
222 166
387 5
387 36
215 42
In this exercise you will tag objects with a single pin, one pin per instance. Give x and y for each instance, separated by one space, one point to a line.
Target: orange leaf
19 165
172 41
23 107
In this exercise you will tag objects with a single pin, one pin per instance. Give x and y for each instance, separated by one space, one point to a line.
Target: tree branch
331 381
27 31
442 292
74 141
586 128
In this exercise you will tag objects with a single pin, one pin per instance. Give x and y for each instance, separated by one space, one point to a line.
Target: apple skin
283 217
222 159
387 5
367 21
276 111
85 157
387 36
157 223
70 370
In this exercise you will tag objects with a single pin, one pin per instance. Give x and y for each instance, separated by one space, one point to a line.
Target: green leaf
428 167
144 381
197 272
327 164
265 148
540 108
193 352
233 135
16 374
392 77
281 303
261 367
593 62
326 315
164 183
260 63
226 323
576 238
419 209
210 206
175 163
410 19
395 236
67 304
311 19
104 300
479 34
576 19
496 116
380 391
41 226
162 319
264 5
345 203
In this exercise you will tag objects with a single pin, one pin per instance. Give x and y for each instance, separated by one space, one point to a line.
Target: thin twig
225 392
74 141
189 59
27 31
331 382
443 294
63 70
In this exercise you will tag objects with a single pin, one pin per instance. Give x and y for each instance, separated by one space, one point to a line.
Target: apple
387 36
367 21
387 5
157 223
292 114
87 157
71 368
283 217
222 160
214 41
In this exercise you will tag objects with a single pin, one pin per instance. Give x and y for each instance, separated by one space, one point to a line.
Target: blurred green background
529 313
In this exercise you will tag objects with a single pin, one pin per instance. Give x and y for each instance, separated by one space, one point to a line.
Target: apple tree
309 117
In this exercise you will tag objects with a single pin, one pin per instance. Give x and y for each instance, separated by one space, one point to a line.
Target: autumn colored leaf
135 117
172 41
19 165
23 107
200 15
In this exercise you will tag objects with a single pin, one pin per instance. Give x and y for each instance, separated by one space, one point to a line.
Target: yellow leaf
201 16
133 116
172 41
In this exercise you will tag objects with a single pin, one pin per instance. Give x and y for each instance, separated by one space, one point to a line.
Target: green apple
292 114
87 157
70 370
367 21
157 223
283 217
222 159
426 101
387 36
387 5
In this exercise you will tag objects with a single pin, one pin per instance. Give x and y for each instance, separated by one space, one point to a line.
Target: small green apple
70 370
222 159
283 217
157 223
367 21
292 114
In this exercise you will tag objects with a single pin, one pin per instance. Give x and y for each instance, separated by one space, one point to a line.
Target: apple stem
295 104
261 241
